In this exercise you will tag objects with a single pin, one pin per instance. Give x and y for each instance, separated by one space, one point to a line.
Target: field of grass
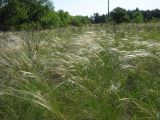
99 72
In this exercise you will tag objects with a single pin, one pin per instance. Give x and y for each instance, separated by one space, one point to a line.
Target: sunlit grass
92 73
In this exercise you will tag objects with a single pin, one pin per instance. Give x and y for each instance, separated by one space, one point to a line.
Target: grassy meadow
96 72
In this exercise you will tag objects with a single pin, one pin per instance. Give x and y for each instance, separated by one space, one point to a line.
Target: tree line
120 15
27 14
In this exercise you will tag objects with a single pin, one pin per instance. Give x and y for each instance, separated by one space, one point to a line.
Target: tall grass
93 73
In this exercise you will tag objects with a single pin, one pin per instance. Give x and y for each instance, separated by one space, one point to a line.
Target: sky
88 7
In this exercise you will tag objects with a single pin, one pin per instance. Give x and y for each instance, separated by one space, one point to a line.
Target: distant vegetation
120 15
27 14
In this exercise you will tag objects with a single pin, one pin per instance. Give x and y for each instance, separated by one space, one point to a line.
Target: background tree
137 17
51 19
14 13
96 18
27 14
119 15
64 18
79 20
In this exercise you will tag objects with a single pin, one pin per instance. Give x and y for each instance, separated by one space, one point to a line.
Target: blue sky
88 7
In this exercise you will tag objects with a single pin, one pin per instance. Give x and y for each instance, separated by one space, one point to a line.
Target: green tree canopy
137 17
50 19
17 12
119 15
64 17
79 20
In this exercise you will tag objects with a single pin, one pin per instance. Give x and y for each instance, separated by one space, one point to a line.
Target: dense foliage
119 15
27 14
24 14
